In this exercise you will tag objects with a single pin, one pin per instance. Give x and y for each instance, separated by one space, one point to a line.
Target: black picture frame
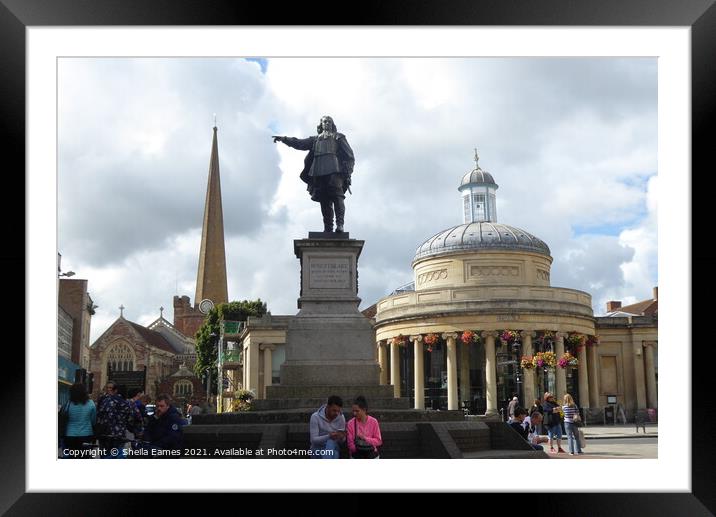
16 15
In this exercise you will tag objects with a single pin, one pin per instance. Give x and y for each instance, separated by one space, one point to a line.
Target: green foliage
206 344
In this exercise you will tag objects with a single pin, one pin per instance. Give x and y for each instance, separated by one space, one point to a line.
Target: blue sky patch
262 61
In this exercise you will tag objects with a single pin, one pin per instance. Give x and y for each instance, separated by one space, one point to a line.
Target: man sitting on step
328 429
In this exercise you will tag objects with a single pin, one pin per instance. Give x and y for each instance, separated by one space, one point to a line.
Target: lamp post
208 376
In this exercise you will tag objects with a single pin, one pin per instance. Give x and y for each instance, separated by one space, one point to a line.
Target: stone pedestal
329 344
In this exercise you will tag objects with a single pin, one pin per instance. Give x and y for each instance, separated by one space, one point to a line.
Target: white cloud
571 142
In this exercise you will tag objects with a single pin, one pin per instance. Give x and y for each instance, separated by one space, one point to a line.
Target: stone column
490 372
418 371
267 349
639 379
528 374
383 362
583 376
251 360
465 371
395 369
651 390
451 371
593 365
560 374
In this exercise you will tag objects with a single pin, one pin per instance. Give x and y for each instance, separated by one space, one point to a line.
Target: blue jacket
165 432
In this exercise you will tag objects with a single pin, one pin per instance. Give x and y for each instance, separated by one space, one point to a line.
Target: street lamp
208 377
68 274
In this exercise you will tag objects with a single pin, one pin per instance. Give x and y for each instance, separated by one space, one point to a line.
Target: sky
571 142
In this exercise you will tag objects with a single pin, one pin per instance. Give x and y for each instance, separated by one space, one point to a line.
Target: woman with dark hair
363 429
82 416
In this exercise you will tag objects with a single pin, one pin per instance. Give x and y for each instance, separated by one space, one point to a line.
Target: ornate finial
477 157
214 120
161 312
121 311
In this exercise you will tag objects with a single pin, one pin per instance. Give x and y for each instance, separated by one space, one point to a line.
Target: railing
233 327
232 356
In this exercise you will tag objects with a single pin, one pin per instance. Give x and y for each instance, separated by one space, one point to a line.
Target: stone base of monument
330 345
293 397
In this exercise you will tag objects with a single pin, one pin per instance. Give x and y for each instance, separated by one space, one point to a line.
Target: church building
166 350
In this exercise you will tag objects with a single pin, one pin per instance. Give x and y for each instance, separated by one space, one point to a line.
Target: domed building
480 305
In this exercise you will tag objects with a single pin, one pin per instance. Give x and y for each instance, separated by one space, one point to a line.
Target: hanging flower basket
399 340
544 360
509 336
527 362
568 361
592 340
469 337
430 341
575 339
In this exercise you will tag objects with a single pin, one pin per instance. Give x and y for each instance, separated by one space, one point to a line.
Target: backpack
63 418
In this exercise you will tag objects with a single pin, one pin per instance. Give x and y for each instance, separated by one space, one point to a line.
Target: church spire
211 277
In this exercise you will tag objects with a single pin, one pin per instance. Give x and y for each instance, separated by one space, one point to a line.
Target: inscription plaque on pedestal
329 273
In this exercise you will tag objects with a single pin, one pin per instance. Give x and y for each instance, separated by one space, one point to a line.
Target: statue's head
326 124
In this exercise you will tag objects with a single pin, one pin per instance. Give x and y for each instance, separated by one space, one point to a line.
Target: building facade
481 323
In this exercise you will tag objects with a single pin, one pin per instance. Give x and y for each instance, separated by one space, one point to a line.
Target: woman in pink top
365 427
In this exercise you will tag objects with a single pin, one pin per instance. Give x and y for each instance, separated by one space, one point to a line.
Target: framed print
120 118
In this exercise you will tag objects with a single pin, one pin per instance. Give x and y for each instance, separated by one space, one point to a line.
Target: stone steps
304 415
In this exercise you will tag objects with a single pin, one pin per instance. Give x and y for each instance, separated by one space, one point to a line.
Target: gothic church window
183 388
120 358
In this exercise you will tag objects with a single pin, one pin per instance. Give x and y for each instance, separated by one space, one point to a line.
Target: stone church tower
211 281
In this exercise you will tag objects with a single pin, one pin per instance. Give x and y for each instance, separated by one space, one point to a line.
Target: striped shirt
569 413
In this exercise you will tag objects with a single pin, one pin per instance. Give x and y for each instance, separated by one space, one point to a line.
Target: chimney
656 293
612 306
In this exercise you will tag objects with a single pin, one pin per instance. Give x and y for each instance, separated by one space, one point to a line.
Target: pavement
649 430
620 441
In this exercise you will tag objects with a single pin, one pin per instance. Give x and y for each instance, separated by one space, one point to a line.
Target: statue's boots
340 213
327 211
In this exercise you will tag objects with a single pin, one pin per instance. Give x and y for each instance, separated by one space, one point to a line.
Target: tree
206 343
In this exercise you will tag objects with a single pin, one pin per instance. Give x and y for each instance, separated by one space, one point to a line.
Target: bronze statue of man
327 169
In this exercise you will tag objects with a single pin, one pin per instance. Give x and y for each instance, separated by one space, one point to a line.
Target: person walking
113 416
363 432
511 409
82 415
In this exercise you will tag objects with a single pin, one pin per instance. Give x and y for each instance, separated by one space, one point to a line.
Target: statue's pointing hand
277 138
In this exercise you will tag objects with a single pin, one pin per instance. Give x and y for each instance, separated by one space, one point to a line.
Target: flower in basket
545 336
592 340
399 340
544 360
527 362
509 336
430 341
568 361
576 339
469 336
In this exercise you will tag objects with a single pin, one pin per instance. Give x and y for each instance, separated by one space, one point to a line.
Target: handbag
577 420
363 448
582 441
63 417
